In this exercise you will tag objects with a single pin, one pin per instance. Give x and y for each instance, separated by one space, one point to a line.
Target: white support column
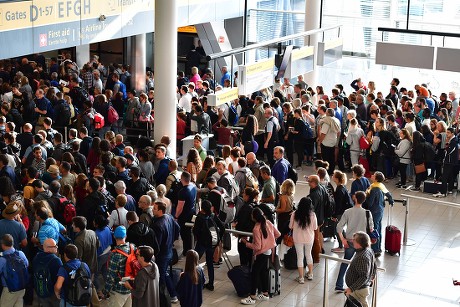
166 65
82 54
312 21
138 56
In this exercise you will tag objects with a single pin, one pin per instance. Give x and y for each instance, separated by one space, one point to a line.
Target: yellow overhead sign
260 66
25 14
187 29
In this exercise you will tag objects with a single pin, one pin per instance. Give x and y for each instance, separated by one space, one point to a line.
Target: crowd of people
106 210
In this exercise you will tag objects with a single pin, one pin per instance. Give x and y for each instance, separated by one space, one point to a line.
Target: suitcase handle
390 212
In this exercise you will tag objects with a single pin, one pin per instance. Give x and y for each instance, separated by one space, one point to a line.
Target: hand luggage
392 236
290 259
240 276
365 163
274 275
431 187
328 228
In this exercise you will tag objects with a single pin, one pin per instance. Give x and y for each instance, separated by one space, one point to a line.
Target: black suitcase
290 259
328 228
240 276
431 187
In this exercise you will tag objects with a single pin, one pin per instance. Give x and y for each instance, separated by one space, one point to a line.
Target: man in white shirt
185 102
287 89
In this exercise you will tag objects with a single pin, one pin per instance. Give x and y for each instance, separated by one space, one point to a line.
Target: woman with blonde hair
403 151
161 192
285 206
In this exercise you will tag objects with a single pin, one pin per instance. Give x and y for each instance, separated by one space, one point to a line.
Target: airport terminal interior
423 273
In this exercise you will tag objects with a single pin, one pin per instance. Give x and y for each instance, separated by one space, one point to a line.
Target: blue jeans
349 252
163 267
377 217
200 249
64 304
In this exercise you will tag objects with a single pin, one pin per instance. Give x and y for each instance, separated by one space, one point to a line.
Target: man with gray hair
120 188
362 269
145 205
46 263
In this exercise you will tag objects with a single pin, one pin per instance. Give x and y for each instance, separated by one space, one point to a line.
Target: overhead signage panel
330 52
301 62
223 96
257 76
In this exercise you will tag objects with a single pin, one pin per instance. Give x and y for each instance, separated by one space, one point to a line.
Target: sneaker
339 290
377 255
262 297
209 287
402 186
248 301
300 280
398 185
414 189
450 192
174 299
338 250
309 276
439 194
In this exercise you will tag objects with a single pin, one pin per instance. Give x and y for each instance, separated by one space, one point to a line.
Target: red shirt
181 126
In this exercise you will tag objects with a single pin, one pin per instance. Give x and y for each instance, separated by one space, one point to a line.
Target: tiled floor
421 276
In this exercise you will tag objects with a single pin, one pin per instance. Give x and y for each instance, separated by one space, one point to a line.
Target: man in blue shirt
281 166
10 224
50 227
186 209
166 231
10 298
225 75
71 262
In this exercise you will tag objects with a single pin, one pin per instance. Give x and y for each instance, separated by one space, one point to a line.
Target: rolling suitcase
274 275
431 187
240 276
392 236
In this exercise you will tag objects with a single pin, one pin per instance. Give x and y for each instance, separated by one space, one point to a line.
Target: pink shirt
307 235
260 244
194 78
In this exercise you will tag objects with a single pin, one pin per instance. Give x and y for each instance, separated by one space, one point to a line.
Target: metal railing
326 279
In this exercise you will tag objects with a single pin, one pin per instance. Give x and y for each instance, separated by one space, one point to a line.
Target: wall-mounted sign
38 26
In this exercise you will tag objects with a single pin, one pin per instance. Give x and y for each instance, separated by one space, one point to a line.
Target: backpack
43 282
79 288
65 116
292 174
364 143
112 115
212 231
17 275
173 192
132 266
275 136
235 190
251 181
306 132
232 115
66 210
98 121
102 210
227 209
330 205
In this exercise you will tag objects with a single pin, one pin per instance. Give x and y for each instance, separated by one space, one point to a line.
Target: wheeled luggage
431 187
290 259
274 275
392 236
240 276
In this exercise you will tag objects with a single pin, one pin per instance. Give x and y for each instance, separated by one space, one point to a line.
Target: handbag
373 235
288 240
420 168
352 302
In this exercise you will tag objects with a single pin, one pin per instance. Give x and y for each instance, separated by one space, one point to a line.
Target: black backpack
330 205
79 287
173 192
